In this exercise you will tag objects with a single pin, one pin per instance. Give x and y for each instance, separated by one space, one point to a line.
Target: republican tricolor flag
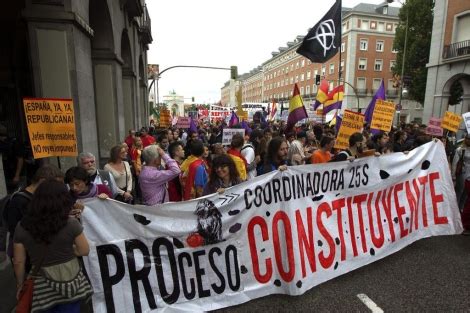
322 94
273 110
297 110
335 99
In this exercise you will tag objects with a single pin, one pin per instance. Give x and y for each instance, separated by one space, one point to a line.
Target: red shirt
147 140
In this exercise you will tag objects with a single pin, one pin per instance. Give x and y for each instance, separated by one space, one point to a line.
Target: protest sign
434 127
382 118
283 232
352 122
183 122
466 118
451 121
165 118
228 133
51 127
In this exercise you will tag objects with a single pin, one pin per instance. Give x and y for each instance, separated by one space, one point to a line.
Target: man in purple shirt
153 181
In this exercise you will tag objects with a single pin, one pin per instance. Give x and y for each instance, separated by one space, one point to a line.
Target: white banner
283 232
227 134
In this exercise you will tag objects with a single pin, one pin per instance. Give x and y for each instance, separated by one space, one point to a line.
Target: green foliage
420 19
456 92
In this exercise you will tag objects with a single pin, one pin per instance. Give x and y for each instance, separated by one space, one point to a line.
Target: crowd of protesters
153 166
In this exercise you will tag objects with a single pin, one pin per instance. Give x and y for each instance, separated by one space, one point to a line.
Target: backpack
4 216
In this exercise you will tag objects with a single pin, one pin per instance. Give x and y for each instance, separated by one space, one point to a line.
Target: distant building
449 58
367 57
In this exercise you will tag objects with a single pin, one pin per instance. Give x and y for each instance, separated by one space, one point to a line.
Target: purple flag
233 119
246 127
339 120
380 94
192 126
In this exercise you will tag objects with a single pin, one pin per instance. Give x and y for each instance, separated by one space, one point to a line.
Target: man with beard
276 156
357 142
87 161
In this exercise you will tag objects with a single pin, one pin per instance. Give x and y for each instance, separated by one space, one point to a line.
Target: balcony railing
457 49
146 26
361 91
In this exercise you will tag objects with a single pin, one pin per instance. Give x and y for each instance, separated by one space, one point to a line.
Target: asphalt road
431 275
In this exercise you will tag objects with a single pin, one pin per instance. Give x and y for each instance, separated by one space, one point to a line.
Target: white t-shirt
248 153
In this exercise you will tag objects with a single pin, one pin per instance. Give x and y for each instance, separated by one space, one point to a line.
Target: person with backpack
19 201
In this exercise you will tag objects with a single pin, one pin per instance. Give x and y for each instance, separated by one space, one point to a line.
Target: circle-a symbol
325 35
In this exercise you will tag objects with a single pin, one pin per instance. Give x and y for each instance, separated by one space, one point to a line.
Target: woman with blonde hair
121 171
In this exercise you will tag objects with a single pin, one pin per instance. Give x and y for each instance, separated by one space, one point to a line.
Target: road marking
369 303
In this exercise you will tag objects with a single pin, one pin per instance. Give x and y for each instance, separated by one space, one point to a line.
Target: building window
309 74
385 10
302 91
296 78
376 83
291 80
392 64
342 66
307 90
323 70
302 77
381 27
389 27
363 44
378 65
332 68
315 73
344 27
379 46
361 83
331 85
274 74
297 65
314 88
362 64
343 46
303 63
373 25
365 24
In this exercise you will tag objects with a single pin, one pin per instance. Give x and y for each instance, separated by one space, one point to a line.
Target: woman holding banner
224 174
53 240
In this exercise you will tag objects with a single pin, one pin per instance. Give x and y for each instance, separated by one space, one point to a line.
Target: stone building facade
449 58
92 51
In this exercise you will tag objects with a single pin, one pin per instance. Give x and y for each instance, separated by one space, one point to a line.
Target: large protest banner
382 118
51 127
352 122
280 233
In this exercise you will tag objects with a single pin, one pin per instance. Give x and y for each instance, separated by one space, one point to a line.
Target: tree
420 19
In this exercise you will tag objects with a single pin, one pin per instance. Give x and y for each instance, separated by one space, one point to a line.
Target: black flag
324 39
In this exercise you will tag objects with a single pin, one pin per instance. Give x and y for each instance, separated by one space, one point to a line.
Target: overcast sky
223 33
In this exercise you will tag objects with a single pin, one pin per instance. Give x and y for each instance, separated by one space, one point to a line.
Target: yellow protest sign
382 118
51 127
243 115
165 118
352 122
451 121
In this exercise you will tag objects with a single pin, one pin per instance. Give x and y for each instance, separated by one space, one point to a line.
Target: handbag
25 297
120 198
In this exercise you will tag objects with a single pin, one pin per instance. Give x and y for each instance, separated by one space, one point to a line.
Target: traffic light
317 80
192 99
233 72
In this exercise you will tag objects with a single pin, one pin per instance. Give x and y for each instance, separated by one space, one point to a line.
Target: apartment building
366 58
449 58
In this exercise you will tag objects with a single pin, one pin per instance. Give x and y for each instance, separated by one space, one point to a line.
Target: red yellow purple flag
297 110
322 94
335 99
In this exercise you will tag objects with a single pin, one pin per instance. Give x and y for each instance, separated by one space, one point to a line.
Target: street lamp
400 96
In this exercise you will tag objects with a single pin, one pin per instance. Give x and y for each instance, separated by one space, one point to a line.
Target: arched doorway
105 66
457 92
